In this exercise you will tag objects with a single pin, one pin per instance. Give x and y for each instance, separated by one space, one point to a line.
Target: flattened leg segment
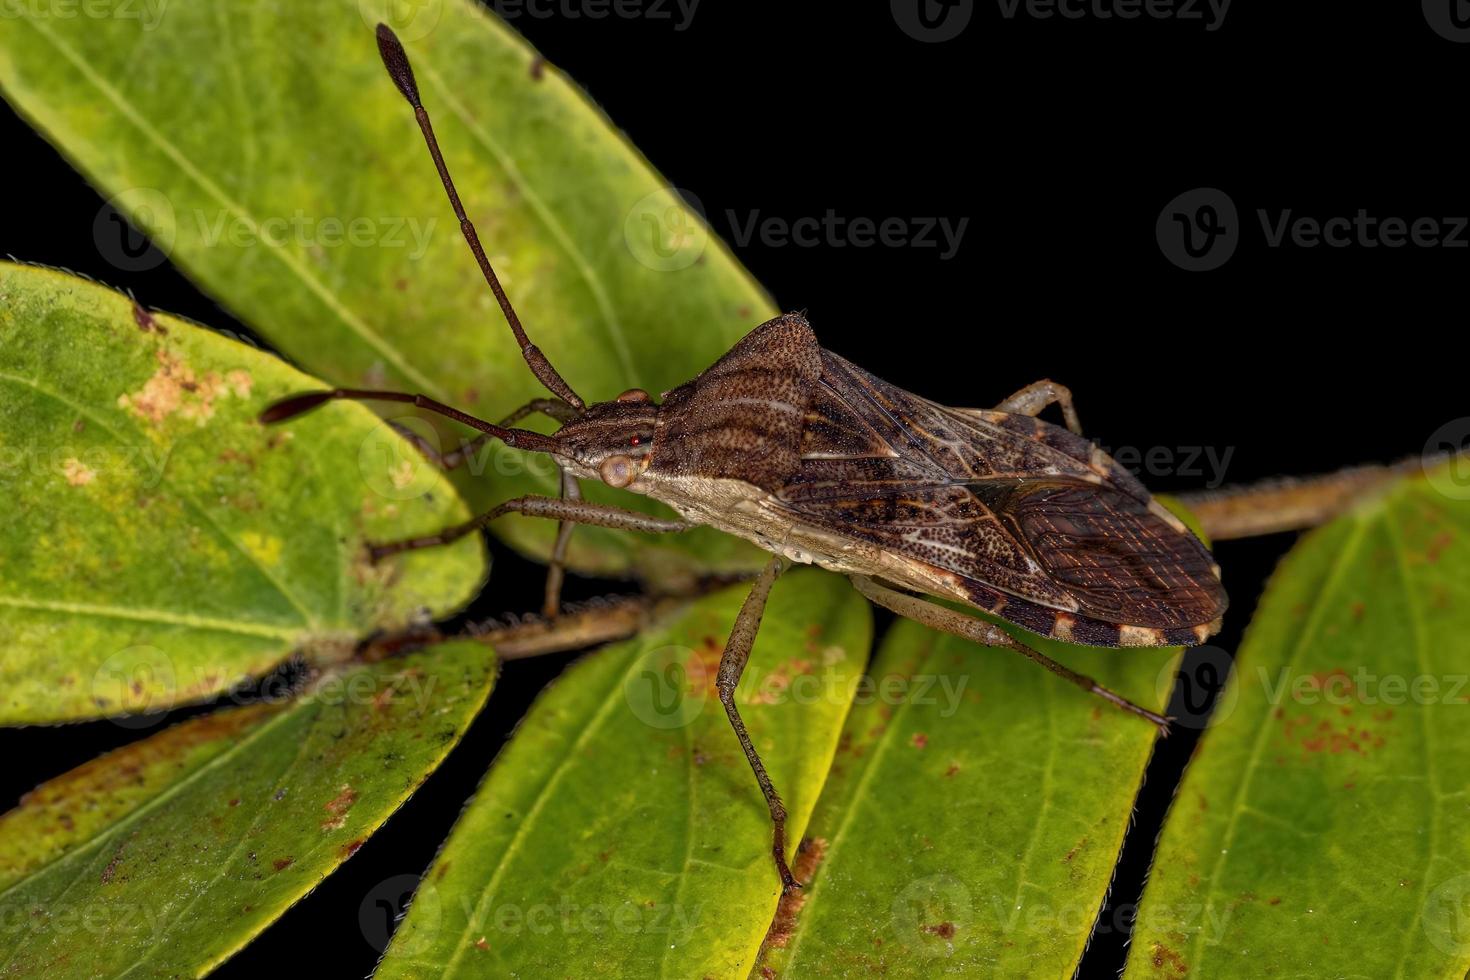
732 665
570 511
958 624
1034 398
556 569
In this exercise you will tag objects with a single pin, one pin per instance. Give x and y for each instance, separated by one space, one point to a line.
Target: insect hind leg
1034 398
732 665
966 627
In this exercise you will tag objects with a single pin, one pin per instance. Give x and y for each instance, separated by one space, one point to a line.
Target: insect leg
556 570
970 628
1033 398
571 511
554 407
732 665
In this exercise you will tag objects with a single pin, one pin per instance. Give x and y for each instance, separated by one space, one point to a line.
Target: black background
1061 141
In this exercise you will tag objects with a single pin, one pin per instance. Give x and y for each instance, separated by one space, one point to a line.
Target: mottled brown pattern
743 417
1028 518
1021 517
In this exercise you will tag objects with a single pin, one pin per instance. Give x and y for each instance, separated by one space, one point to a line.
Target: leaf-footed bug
818 461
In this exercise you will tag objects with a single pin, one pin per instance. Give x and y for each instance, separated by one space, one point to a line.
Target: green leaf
973 815
163 858
161 545
1330 798
272 159
621 832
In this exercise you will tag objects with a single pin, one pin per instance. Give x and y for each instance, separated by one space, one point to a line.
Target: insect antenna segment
395 59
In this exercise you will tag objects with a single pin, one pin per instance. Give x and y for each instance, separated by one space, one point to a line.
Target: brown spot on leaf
919 740
338 806
146 322
176 388
538 68
482 945
281 864
351 847
77 473
804 868
944 930
1164 958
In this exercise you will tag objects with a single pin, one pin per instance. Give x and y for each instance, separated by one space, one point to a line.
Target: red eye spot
635 441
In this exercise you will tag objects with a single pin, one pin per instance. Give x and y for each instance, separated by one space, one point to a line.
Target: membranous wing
1024 518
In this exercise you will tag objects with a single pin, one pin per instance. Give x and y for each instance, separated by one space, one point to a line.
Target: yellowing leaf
164 857
1323 828
621 832
160 544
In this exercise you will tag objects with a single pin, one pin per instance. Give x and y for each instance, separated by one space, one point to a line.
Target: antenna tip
289 408
395 59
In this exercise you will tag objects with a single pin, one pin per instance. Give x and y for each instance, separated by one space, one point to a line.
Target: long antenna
289 408
395 59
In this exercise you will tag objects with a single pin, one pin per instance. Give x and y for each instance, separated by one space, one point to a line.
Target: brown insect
817 461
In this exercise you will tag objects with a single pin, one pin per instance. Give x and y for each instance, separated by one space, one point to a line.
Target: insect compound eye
616 471
634 395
